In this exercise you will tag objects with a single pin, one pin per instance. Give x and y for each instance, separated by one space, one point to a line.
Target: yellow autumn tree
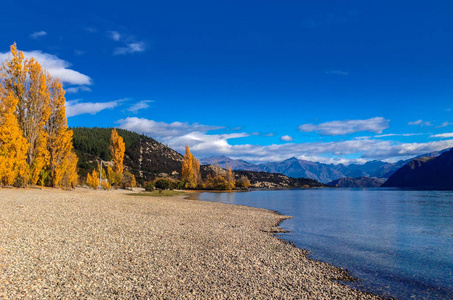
40 113
230 180
26 79
190 172
93 180
196 170
70 177
62 163
117 148
13 146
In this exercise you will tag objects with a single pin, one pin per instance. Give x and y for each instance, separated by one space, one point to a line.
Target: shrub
129 180
164 184
149 186
105 184
93 179
217 183
179 185
243 182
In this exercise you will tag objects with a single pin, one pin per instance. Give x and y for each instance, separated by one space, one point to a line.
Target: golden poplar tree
196 170
59 142
117 148
13 146
230 180
26 79
190 172
70 177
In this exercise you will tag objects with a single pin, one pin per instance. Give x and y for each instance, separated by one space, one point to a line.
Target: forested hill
144 156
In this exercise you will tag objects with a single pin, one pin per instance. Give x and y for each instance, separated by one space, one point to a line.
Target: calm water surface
398 242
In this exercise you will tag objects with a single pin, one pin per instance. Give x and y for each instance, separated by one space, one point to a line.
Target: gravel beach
87 244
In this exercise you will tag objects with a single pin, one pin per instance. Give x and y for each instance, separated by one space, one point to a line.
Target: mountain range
321 172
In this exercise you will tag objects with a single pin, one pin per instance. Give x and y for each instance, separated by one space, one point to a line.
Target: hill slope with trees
144 157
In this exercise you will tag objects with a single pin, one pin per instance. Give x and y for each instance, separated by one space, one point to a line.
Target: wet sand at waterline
107 244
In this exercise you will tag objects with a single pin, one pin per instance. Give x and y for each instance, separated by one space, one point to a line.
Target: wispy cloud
76 89
130 48
445 124
162 129
114 35
38 34
130 43
396 134
420 122
376 125
336 72
144 104
287 138
443 135
74 108
55 66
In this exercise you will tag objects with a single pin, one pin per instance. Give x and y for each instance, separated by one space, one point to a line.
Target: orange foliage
190 172
39 108
117 148
13 146
93 180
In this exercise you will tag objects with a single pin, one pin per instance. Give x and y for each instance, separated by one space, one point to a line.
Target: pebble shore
86 244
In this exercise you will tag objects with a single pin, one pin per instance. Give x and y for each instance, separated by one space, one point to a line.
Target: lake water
398 242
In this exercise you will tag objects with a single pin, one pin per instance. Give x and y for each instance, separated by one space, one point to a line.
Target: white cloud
36 35
163 130
76 89
376 125
140 105
336 72
443 135
74 108
444 124
420 122
55 66
287 138
130 48
114 35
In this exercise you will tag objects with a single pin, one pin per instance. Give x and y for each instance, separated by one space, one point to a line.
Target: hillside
276 180
144 156
357 182
425 173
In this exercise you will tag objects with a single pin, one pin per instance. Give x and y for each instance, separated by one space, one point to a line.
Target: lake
397 242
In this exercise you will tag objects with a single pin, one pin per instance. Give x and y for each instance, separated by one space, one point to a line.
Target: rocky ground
88 244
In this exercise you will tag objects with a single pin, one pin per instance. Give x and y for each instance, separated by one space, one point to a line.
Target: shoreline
87 243
277 229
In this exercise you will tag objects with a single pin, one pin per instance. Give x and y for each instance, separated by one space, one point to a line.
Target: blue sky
329 81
